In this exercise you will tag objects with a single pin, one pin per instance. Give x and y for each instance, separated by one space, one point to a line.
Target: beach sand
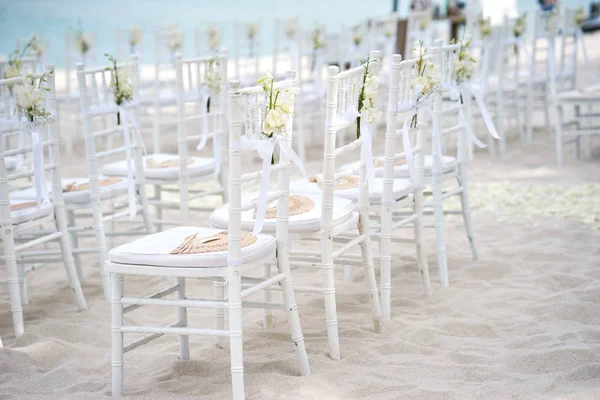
523 322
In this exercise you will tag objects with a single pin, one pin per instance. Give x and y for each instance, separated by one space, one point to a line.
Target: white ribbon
128 120
265 148
366 151
318 80
41 190
413 110
468 89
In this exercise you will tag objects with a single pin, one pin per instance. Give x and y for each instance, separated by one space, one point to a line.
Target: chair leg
367 262
235 335
184 340
219 294
418 230
348 273
267 298
327 267
117 335
289 299
143 200
67 254
385 261
70 214
16 307
547 116
466 210
98 225
559 135
438 210
529 114
22 284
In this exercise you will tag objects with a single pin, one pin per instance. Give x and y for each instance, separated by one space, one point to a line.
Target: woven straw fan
192 244
21 206
296 205
74 187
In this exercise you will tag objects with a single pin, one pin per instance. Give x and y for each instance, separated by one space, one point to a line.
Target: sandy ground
521 322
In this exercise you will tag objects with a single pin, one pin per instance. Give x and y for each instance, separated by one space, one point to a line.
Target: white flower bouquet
520 25
291 28
553 22
29 99
120 84
214 40
485 27
83 43
175 41
252 30
15 64
366 97
135 36
277 111
427 82
579 16
356 35
464 65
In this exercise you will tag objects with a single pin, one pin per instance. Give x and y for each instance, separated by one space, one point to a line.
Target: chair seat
154 250
310 221
590 93
401 188
200 166
79 196
401 171
29 213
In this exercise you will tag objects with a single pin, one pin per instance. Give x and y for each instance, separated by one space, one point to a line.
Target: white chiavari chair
286 46
332 216
201 117
105 141
246 51
27 224
196 252
418 27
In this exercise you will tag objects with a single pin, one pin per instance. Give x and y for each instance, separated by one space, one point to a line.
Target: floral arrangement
520 25
318 42
424 21
552 22
464 65
291 28
579 16
135 36
83 43
277 111
15 64
36 47
389 29
252 30
213 77
175 41
120 84
29 99
214 40
485 27
366 97
356 35
427 80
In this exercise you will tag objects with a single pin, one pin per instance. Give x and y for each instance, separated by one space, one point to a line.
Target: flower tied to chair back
213 38
30 107
135 38
318 44
276 128
461 86
211 90
122 93
14 66
366 114
485 27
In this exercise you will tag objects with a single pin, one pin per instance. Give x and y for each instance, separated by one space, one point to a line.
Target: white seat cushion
154 250
80 196
309 221
200 166
401 188
590 93
401 171
30 213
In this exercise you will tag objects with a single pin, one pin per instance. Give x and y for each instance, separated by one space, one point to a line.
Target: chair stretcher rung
349 147
168 330
265 283
146 339
157 295
37 241
357 240
187 303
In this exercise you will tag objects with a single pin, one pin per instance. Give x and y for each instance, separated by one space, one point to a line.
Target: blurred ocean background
53 18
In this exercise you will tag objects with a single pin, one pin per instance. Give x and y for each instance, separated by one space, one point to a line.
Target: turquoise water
52 18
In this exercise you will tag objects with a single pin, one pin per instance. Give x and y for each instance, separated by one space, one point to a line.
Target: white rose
371 86
135 36
274 122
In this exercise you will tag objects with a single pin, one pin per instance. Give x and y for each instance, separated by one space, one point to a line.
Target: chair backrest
42 140
570 35
246 50
129 41
246 114
418 28
168 41
286 45
208 40
105 138
198 81
401 90
343 91
73 53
